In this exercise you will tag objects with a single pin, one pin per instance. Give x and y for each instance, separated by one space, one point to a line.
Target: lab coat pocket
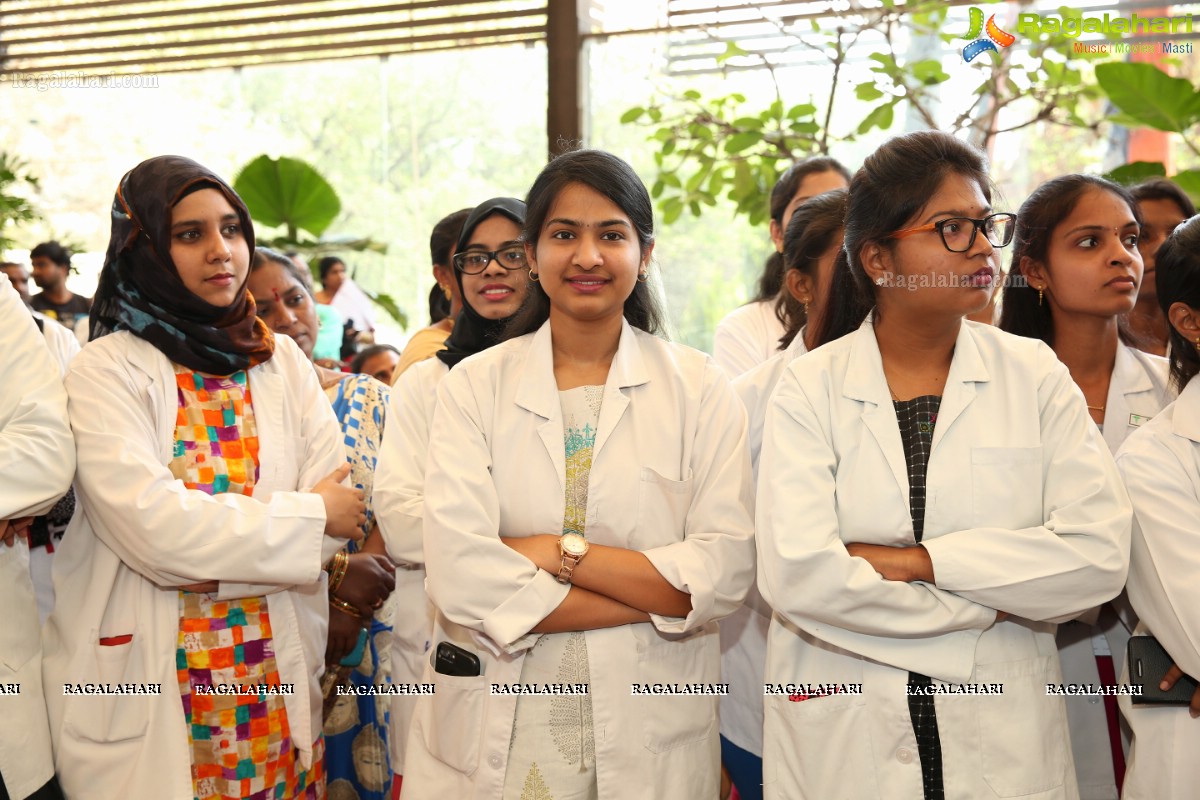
663 504
106 717
668 663
1006 486
21 637
451 720
1023 735
819 747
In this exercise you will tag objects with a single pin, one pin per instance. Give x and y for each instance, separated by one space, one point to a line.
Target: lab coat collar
865 382
538 392
1186 415
1128 373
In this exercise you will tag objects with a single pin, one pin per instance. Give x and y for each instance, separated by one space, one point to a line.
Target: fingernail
1194 713
1164 686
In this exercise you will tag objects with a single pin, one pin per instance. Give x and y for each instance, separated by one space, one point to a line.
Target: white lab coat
37 460
744 632
399 497
141 534
670 477
746 337
1138 390
63 347
1161 466
1025 512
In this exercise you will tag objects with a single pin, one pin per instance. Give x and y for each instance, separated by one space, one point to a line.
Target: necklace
1096 408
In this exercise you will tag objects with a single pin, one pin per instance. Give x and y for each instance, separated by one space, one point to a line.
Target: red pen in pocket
113 641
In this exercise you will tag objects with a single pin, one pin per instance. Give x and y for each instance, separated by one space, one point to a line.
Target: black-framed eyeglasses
958 233
473 262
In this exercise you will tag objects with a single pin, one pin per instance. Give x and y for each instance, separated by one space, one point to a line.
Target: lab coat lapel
267 393
1186 418
1128 381
865 382
538 394
628 369
966 368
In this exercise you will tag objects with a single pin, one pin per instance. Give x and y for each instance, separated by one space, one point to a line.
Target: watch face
574 545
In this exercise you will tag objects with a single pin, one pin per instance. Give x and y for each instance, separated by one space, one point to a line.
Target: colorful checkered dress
241 746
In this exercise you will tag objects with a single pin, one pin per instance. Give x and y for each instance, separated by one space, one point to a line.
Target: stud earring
880 281
643 277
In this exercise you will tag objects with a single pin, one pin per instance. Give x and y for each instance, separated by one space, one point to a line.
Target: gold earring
533 276
805 308
1040 298
445 290
1198 344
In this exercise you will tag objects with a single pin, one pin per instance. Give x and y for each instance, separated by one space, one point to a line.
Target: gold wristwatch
573 548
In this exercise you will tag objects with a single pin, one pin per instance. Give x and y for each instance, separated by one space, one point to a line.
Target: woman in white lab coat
37 461
811 245
634 450
750 334
933 497
209 484
490 273
1161 466
1077 251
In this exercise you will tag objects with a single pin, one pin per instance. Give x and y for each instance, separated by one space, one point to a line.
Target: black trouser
48 792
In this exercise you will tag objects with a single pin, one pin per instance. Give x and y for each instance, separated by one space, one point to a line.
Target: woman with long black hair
586 523
933 497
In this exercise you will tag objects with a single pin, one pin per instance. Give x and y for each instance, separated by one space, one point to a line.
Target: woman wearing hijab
356 729
192 580
491 273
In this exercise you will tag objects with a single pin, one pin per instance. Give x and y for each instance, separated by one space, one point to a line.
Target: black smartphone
450 659
1148 663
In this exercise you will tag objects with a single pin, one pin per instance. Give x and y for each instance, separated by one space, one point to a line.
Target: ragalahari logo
993 37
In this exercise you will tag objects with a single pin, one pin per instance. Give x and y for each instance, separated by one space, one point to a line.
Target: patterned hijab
140 289
473 332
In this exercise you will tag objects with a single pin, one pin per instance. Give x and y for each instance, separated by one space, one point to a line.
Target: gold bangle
344 607
341 562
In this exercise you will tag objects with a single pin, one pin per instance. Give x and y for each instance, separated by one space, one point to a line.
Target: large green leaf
289 192
1189 181
1136 172
1149 95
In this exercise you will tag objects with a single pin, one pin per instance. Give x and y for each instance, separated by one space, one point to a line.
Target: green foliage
1136 172
1145 96
713 147
291 194
1189 181
1149 97
287 192
14 208
718 148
